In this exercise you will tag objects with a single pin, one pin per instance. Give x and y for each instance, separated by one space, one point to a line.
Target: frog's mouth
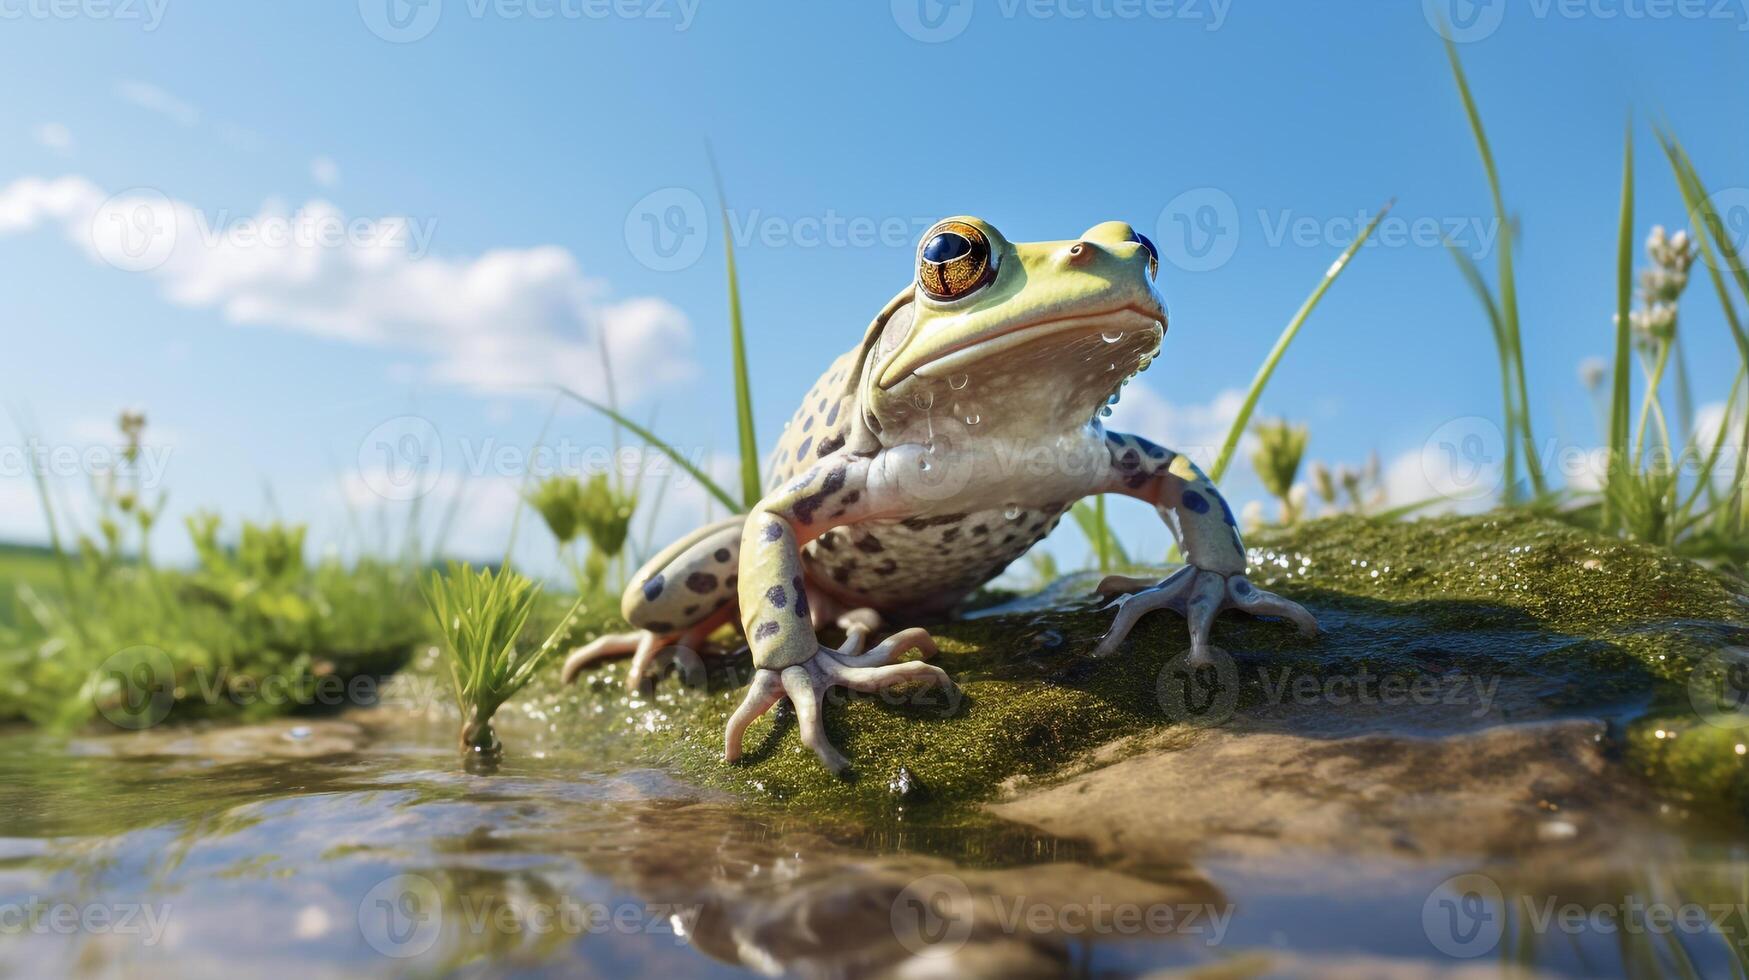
962 354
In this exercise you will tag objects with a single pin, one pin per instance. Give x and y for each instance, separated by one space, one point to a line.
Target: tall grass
1502 310
1272 360
748 440
1621 382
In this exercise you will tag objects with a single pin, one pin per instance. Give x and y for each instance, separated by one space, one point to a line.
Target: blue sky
490 172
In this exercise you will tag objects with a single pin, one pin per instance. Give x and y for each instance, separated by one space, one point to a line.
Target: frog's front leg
1213 578
775 613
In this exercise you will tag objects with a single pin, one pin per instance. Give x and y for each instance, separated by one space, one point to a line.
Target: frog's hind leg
679 598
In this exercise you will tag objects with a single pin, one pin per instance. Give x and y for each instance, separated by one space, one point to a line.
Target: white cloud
54 136
1433 479
152 98
506 320
325 171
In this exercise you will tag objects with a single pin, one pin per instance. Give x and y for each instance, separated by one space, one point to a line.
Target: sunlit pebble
1557 830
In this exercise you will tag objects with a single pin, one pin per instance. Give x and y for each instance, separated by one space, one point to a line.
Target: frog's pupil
1136 236
946 247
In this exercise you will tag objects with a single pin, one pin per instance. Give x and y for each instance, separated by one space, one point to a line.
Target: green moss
1575 623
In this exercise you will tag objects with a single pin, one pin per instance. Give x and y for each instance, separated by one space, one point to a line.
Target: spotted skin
1184 497
687 582
774 577
967 389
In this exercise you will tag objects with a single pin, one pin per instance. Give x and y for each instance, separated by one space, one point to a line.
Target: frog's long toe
1199 596
806 684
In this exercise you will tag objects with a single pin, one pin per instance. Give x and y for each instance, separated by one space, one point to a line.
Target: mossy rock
1564 622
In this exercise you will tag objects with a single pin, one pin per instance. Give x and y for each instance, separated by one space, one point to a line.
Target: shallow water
360 847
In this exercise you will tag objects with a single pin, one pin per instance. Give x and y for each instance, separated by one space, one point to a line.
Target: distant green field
24 564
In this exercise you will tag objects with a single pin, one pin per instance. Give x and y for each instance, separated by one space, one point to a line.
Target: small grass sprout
481 615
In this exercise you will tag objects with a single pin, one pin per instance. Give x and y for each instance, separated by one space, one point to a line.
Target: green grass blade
676 455
750 482
1704 479
1508 281
1292 330
1620 387
1473 276
1694 197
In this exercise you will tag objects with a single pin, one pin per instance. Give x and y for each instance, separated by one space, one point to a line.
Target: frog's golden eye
954 260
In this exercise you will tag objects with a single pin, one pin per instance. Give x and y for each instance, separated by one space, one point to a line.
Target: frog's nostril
1081 253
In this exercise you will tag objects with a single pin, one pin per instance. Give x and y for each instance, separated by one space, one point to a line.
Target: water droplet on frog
1112 336
1012 512
923 400
974 419
1106 411
924 465
1112 400
958 381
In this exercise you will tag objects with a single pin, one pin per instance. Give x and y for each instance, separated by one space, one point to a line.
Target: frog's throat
969 351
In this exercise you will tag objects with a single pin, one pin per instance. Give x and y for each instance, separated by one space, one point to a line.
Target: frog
943 446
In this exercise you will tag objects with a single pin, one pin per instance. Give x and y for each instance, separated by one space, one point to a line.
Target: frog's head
1034 336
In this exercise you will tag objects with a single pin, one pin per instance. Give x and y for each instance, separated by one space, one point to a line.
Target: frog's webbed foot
806 683
1198 595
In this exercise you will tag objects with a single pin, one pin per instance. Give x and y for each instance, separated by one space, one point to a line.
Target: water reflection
243 850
